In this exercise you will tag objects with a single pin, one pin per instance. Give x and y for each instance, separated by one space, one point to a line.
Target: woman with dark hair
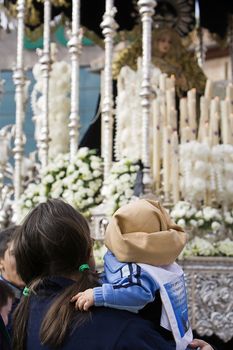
53 251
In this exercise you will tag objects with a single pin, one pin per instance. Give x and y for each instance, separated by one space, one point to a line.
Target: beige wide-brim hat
143 232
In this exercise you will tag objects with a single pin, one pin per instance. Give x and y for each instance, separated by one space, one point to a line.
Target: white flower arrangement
206 171
118 187
201 247
204 219
78 182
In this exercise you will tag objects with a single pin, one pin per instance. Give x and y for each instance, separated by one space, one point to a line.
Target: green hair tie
84 267
26 291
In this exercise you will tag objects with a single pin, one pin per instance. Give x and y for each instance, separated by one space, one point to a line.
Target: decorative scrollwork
210 296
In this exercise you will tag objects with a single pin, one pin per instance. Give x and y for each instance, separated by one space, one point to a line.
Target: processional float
202 272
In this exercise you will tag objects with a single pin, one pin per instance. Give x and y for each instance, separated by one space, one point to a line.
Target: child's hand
83 300
200 344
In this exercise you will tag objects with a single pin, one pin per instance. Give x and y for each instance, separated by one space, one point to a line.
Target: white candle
183 113
172 119
186 134
229 96
215 130
175 168
224 120
162 81
192 112
166 160
156 143
204 117
208 89
170 101
231 129
173 80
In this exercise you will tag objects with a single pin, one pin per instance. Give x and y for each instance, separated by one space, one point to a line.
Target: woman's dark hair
5 293
54 240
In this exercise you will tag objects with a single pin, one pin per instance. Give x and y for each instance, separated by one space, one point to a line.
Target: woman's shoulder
118 329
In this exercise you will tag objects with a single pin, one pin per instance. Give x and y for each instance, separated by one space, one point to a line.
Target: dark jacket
18 293
107 329
4 336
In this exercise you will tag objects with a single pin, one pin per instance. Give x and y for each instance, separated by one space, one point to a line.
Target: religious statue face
164 43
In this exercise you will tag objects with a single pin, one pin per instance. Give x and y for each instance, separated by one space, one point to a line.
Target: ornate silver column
146 9
45 62
74 45
108 26
19 80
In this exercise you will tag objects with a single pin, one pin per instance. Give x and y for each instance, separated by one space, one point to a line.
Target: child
6 299
140 269
8 273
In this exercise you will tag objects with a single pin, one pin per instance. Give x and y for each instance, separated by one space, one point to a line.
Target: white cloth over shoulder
174 317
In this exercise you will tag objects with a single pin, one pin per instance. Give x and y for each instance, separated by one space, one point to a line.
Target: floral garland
78 182
118 187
